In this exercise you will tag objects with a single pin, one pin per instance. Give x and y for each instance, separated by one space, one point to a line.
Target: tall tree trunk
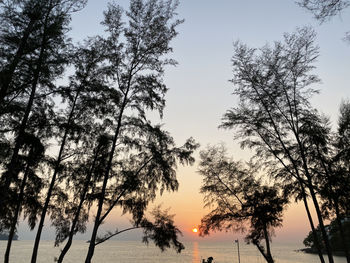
52 183
314 200
77 213
268 248
313 229
262 252
105 180
16 215
333 197
321 224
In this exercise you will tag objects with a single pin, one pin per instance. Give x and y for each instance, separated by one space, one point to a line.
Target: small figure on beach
209 260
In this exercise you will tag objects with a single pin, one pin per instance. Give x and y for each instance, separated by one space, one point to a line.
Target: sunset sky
200 91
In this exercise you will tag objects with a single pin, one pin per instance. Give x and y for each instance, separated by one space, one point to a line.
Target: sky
200 91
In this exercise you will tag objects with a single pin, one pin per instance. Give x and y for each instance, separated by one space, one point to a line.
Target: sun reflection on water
195 254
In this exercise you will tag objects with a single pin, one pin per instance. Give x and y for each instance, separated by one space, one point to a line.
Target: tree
334 177
274 113
131 158
34 53
239 199
335 237
137 66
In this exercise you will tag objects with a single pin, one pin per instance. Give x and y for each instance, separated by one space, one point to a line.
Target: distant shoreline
6 237
313 251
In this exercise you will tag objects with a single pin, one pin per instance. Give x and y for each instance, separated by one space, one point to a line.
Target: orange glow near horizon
194 230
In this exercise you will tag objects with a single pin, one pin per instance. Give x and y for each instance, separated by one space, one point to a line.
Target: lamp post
239 256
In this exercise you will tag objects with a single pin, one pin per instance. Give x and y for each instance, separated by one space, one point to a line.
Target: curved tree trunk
53 181
268 248
313 229
77 213
321 224
105 180
315 201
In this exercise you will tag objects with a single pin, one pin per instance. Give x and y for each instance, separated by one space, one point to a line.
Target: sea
115 251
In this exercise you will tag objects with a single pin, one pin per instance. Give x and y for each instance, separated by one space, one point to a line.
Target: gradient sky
200 91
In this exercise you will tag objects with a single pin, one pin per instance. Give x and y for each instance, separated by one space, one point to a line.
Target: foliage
108 153
239 198
274 117
335 238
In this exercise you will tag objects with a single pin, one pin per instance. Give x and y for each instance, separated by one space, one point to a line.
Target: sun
194 230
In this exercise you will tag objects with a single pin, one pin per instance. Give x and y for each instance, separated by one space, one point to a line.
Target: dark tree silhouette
109 153
34 53
335 237
43 62
333 173
136 58
274 112
238 199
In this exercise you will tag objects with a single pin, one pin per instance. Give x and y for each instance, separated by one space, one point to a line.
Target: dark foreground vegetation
65 149
335 238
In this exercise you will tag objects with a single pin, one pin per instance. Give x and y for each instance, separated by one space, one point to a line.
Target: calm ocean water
137 252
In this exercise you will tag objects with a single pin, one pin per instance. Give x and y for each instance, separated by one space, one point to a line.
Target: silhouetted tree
334 175
19 23
239 198
43 62
274 112
137 66
335 237
109 153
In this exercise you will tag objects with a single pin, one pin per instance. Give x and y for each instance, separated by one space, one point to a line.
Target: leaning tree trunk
321 224
313 229
268 248
105 179
262 252
315 201
53 181
77 213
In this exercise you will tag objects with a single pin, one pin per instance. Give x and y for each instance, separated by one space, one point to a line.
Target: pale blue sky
199 89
